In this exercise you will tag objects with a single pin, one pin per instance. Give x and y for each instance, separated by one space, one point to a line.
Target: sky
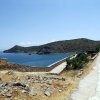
36 22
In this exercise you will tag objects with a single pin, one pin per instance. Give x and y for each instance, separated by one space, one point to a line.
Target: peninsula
74 45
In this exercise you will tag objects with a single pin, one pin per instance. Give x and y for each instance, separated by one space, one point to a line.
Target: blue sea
34 59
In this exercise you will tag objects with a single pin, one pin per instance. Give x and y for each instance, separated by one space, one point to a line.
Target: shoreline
55 68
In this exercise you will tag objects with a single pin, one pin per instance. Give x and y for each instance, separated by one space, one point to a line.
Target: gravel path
89 87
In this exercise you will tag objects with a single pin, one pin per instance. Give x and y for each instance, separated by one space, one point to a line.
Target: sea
32 60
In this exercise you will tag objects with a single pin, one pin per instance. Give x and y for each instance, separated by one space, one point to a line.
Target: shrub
98 48
78 62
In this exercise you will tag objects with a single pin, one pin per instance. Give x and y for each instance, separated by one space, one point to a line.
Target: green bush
98 48
78 62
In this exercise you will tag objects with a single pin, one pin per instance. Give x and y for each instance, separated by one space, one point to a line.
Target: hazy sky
34 22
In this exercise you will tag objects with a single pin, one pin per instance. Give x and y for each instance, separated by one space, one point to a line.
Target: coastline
55 68
63 83
43 60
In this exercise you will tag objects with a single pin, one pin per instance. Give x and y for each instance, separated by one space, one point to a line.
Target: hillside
74 45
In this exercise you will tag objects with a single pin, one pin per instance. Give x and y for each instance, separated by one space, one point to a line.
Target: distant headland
81 45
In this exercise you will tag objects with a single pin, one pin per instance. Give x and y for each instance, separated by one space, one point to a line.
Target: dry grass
70 73
65 88
65 93
88 68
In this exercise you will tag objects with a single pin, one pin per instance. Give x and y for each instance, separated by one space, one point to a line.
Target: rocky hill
74 45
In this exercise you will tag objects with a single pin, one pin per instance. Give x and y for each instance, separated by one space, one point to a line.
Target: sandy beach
89 86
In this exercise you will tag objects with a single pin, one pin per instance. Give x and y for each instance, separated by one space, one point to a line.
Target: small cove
34 59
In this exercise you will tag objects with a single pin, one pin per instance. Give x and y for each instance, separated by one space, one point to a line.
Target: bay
34 59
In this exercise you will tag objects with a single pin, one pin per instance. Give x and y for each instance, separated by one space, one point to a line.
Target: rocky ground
15 86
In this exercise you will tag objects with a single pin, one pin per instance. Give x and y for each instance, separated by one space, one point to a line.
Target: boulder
8 95
47 93
33 92
1 85
49 82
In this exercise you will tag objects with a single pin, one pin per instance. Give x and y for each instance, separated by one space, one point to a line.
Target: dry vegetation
60 88
61 85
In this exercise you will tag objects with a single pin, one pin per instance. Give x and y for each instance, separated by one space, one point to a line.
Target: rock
47 93
27 77
41 85
60 90
17 84
8 88
49 82
22 86
45 88
2 93
10 73
1 85
8 95
41 78
27 88
24 91
63 79
5 90
33 92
